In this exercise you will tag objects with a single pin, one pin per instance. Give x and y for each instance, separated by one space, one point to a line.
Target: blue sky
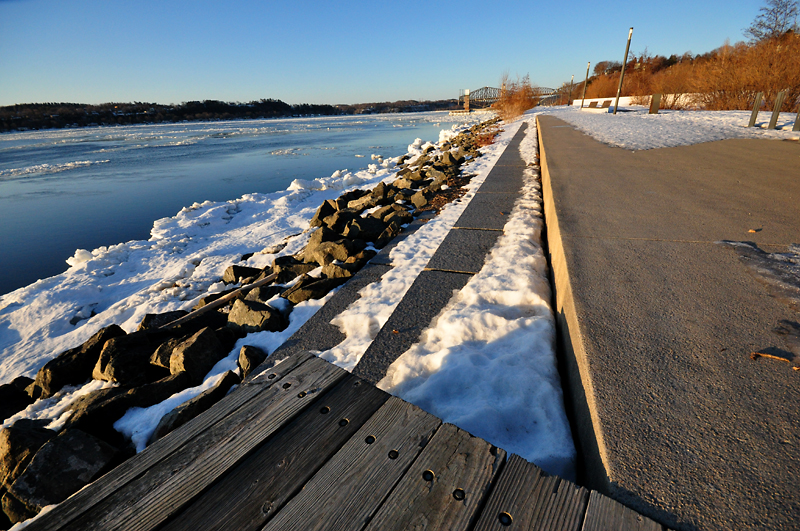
93 51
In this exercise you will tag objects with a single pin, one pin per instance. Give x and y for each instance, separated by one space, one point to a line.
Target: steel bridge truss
488 96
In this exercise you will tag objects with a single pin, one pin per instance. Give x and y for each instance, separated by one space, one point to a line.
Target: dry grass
516 97
727 78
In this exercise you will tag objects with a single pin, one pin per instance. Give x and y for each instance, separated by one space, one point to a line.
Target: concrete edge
580 391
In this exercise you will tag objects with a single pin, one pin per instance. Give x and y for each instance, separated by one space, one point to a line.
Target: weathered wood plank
350 488
445 486
605 514
151 499
526 498
84 500
251 493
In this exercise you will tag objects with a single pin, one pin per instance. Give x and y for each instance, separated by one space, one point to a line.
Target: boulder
249 358
367 201
343 200
388 235
320 236
235 273
311 289
340 270
367 228
74 366
228 337
18 444
339 220
451 159
382 212
340 250
400 217
415 176
421 198
126 360
403 183
253 316
61 467
14 398
197 354
361 258
265 293
436 175
15 510
380 192
327 208
163 353
153 321
191 408
97 412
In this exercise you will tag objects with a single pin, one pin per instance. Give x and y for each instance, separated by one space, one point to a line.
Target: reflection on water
61 190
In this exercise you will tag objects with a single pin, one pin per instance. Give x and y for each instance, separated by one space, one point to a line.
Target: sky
351 51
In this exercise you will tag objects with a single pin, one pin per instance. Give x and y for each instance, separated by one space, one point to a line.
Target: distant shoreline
39 116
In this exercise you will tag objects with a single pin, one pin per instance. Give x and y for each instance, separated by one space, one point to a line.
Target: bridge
487 96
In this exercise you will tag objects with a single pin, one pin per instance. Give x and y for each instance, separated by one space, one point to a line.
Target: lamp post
622 74
585 83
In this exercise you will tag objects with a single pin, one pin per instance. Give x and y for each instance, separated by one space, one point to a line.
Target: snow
635 129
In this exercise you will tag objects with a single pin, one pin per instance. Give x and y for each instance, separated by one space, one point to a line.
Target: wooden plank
350 488
251 493
445 486
147 502
82 501
605 514
527 498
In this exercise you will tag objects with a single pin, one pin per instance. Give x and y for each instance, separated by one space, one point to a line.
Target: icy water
61 190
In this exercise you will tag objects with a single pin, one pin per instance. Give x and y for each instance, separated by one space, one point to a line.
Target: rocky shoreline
41 466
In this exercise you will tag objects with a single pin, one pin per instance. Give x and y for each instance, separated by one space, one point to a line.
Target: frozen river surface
61 190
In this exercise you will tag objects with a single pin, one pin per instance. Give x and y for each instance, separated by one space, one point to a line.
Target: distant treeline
59 115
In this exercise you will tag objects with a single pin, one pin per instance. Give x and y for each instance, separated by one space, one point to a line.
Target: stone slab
383 258
464 250
429 293
657 323
487 211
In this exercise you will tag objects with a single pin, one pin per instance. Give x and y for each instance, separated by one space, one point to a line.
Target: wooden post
569 98
797 121
585 83
773 122
622 74
756 107
655 102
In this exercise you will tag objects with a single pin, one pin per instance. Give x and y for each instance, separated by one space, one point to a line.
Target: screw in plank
301 394
393 454
505 519
272 376
459 494
267 507
287 385
428 475
370 439
344 422
325 410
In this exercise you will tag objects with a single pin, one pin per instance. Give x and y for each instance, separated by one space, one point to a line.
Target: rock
314 289
289 267
436 175
5 523
403 183
382 212
13 399
211 298
451 159
381 191
265 293
74 366
198 354
126 360
326 209
228 337
421 198
319 236
415 176
190 409
351 230
341 270
235 273
368 228
18 444
249 358
339 220
388 235
253 316
163 353
154 321
97 412
367 201
340 250
344 199
15 510
400 217
61 467
361 258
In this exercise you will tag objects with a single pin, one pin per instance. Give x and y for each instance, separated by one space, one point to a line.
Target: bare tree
775 19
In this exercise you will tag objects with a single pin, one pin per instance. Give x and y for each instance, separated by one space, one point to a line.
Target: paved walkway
302 444
659 320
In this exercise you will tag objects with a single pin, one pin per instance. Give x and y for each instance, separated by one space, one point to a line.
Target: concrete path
659 320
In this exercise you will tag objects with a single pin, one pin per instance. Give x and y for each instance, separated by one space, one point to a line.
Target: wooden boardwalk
305 445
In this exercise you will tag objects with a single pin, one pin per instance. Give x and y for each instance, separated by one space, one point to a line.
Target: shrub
516 97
